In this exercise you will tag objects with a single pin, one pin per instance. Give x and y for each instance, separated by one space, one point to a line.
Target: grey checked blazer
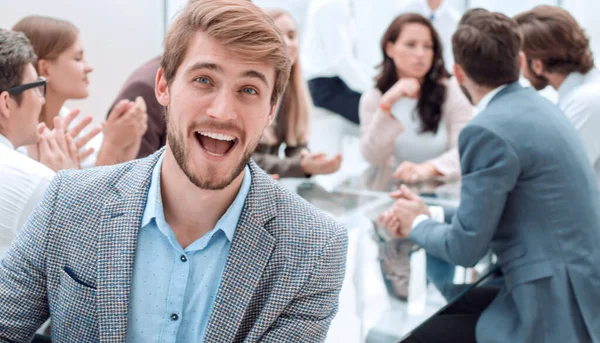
530 194
73 262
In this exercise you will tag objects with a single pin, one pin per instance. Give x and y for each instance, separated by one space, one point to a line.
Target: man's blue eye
249 91
202 80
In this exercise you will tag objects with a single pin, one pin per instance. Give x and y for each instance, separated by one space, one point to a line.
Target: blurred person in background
336 78
23 180
413 117
292 120
61 60
443 17
558 53
411 122
528 194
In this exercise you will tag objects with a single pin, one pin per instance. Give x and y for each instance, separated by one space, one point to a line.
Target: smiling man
194 243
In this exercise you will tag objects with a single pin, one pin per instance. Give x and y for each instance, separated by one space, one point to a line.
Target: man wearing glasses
23 180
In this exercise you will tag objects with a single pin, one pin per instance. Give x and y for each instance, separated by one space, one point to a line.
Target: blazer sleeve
155 135
456 113
378 130
23 298
491 169
308 317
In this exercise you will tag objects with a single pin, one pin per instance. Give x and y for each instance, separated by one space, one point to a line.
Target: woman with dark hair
413 116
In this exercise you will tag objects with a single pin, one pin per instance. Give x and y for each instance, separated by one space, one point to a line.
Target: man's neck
51 109
434 4
478 92
555 79
191 211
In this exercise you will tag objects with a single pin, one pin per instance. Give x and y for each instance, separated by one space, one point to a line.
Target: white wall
117 35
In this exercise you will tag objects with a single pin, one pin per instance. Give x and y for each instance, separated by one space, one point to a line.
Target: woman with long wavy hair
292 122
413 116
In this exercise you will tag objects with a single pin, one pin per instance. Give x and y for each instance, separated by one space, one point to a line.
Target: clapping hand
318 163
412 173
399 218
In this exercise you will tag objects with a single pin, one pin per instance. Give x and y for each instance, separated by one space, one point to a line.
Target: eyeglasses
39 87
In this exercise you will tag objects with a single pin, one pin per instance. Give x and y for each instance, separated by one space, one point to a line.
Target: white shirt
437 212
328 48
23 183
445 20
579 99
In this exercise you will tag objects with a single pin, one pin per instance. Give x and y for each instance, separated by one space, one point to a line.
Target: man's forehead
205 49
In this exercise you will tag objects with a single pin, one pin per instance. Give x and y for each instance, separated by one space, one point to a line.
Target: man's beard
466 93
176 142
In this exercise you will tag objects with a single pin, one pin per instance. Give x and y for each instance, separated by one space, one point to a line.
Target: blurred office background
120 35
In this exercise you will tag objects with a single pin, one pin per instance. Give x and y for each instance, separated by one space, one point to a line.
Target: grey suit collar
510 88
121 219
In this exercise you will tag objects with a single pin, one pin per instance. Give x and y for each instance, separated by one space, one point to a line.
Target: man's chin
214 177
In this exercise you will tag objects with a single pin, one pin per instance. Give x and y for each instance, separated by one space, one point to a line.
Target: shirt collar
574 80
433 14
484 102
4 141
227 223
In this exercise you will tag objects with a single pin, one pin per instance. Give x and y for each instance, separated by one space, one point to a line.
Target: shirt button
174 317
183 258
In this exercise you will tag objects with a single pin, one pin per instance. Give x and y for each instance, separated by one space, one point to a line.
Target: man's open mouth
216 144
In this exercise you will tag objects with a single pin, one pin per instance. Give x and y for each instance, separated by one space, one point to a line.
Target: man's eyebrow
257 75
204 65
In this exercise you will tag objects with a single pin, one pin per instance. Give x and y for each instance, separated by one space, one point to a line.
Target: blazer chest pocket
73 308
73 289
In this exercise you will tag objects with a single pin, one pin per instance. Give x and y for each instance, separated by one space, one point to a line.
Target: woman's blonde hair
294 107
49 38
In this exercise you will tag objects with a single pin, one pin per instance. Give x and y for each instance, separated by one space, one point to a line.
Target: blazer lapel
117 240
250 252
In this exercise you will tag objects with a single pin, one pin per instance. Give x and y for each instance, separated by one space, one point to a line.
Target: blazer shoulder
96 182
299 218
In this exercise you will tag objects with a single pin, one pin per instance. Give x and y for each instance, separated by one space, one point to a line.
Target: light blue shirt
173 289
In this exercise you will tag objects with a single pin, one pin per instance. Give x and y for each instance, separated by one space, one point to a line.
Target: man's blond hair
241 26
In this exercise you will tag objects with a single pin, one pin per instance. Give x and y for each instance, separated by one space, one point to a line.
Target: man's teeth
218 136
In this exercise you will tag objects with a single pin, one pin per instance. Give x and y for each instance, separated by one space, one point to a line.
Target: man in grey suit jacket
528 194
194 243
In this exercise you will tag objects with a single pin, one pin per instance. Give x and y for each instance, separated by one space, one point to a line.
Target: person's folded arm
23 298
378 130
308 317
491 169
282 166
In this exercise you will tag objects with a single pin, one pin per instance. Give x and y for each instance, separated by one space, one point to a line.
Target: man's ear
522 60
161 88
537 66
459 73
5 105
271 115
